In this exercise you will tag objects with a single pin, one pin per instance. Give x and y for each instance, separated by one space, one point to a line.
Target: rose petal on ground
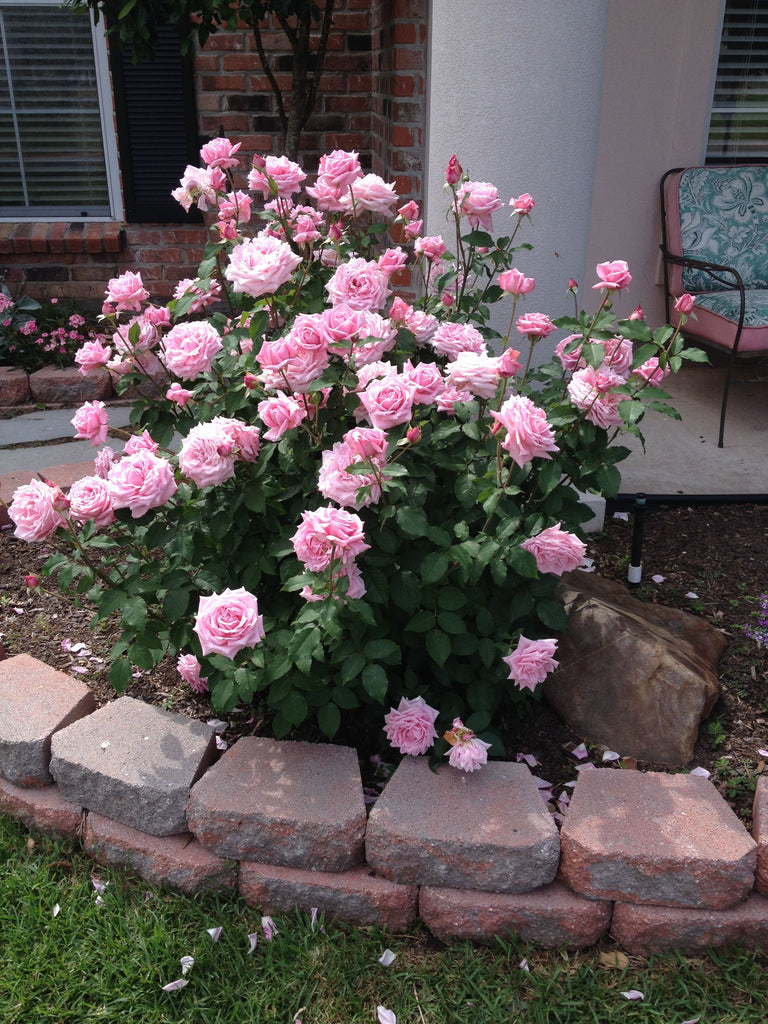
56 909
215 932
253 941
584 767
529 759
98 885
187 963
700 771
218 725
524 965
172 986
580 752
385 1016
387 957
693 597
633 993
221 744
269 928
658 579
99 901
611 755
763 753
621 515
693 1020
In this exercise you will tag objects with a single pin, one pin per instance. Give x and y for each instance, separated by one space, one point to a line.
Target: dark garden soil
714 563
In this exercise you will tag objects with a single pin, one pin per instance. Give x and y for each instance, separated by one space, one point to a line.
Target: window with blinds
738 129
52 158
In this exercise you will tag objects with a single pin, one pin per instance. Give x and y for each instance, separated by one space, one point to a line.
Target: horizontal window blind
51 143
738 130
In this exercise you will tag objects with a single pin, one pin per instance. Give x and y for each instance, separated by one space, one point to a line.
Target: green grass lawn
108 961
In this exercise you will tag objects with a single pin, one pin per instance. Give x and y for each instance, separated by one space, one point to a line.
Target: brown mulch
718 553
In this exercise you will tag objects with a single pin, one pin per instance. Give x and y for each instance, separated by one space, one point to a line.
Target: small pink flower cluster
411 728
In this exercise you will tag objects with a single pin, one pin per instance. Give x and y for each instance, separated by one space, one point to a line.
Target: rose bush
337 499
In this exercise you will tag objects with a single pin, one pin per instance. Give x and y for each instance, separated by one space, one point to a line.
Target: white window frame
108 133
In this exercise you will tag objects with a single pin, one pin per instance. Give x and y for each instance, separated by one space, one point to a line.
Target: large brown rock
635 677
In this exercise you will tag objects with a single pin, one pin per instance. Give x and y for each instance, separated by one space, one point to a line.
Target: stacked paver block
653 838
178 860
553 916
670 852
134 763
293 804
488 830
356 896
41 810
37 701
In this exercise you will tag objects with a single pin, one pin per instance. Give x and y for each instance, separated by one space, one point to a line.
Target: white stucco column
514 89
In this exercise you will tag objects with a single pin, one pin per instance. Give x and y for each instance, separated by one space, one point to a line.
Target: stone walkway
657 861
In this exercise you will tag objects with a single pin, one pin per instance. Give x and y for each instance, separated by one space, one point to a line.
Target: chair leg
728 375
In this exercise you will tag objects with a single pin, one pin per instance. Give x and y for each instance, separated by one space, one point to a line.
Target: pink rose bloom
515 282
328 534
447 399
91 498
308 332
203 298
467 751
127 291
220 153
523 204
388 401
399 310
370 193
158 316
529 435
476 373
451 338
261 265
685 304
411 726
188 668
556 550
226 623
531 662
207 455
103 462
509 363
305 223
328 199
91 422
139 441
392 261
140 482
245 438
618 356
426 380
590 391
534 325
286 175
423 326
355 585
177 394
367 443
281 414
359 283
189 348
339 169
570 359
453 171
287 364
478 201
199 185
33 511
432 246
613 276
235 207
409 210
336 484
92 354
651 372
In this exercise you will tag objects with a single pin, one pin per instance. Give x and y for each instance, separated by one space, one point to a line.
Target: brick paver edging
658 861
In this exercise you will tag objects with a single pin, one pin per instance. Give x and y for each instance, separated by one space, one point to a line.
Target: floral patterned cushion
724 219
728 304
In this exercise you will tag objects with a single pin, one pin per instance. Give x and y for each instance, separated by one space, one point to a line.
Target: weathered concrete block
41 810
641 930
36 702
652 838
53 384
14 386
356 896
178 861
282 802
134 763
553 916
487 830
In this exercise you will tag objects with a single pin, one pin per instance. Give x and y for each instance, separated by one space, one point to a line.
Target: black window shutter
156 128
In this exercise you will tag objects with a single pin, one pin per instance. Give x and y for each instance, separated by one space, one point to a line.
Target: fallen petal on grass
172 986
387 957
611 755
633 993
580 752
215 933
269 928
56 909
253 941
524 965
385 1016
187 963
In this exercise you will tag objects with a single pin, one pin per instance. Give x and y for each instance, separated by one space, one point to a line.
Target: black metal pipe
635 570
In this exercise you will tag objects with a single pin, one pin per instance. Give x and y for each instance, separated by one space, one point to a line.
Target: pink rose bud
31 581
637 313
515 282
259 162
413 435
454 171
251 381
447 299
335 231
508 365
685 303
573 286
409 211
523 204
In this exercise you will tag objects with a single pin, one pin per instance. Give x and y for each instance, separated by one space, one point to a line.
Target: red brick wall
371 99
